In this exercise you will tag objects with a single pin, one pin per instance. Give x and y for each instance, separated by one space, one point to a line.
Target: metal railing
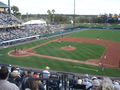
37 79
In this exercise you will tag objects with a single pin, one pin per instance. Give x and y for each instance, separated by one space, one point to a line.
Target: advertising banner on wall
114 18
109 18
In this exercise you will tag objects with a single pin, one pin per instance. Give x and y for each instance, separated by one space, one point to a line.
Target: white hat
86 75
94 77
95 83
14 73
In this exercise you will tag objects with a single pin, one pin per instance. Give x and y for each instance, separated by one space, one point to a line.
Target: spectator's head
93 78
73 76
17 68
4 72
79 77
86 75
86 80
35 73
29 72
12 69
14 74
106 84
47 68
22 75
32 85
95 84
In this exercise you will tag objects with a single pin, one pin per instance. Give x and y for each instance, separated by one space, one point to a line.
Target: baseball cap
14 73
95 83
47 68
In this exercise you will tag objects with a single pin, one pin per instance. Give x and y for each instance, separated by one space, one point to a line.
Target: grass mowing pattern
38 62
82 52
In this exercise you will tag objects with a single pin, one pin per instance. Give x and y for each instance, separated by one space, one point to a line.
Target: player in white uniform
69 45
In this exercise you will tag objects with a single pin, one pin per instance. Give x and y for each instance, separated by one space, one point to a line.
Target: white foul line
85 68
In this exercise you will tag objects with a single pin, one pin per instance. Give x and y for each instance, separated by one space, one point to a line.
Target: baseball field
86 54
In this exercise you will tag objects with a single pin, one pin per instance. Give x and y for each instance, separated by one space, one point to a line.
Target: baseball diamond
112 52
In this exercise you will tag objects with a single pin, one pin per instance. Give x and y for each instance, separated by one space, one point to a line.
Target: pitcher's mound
68 48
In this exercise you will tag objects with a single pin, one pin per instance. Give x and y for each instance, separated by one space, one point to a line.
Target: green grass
102 34
38 62
82 52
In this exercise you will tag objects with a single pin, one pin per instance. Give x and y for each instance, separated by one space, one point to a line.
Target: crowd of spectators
95 83
30 30
8 19
11 33
13 77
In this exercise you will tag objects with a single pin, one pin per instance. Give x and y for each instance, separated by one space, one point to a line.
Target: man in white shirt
46 73
85 82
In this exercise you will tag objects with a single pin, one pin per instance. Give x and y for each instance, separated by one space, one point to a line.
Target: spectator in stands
35 75
40 85
86 76
18 78
40 75
4 84
13 77
32 85
72 81
79 81
29 72
100 79
12 69
22 75
88 84
116 86
9 68
53 85
46 73
95 84
106 84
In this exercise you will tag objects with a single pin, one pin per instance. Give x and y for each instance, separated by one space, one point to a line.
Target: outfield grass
82 52
38 62
102 34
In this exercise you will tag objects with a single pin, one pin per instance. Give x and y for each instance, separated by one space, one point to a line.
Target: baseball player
102 67
21 50
97 38
69 45
15 50
105 56
59 40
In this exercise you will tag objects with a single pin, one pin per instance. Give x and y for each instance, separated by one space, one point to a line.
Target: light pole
74 13
9 6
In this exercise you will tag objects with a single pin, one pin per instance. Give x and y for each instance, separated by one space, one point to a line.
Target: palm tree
15 9
49 13
53 11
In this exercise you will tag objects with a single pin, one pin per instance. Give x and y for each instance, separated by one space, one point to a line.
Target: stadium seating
64 78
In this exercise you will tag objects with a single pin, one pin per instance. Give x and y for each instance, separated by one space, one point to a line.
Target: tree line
51 17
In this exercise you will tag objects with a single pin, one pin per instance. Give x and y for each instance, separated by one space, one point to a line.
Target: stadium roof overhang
3 5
